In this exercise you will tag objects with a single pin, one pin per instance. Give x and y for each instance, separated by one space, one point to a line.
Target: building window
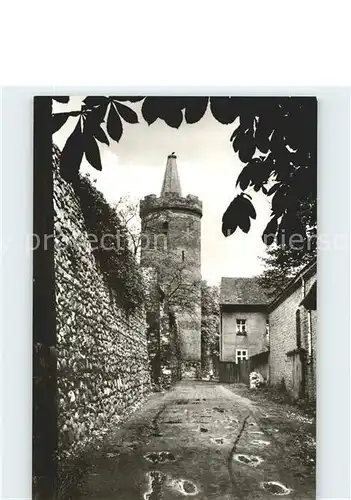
298 329
241 355
165 227
160 242
241 326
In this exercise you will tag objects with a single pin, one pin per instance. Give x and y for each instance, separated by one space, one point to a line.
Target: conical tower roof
171 182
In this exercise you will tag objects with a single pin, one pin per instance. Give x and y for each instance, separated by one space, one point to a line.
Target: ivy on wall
109 241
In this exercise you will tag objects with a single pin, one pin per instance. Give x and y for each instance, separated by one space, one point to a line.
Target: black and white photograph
174 297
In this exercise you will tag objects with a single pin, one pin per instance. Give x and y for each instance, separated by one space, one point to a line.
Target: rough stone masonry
178 218
102 352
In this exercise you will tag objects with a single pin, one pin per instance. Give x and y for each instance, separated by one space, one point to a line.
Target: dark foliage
283 262
209 324
276 139
62 99
238 214
110 246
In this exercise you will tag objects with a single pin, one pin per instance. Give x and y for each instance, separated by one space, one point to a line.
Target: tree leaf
195 108
238 214
114 124
270 231
262 134
151 109
225 109
58 120
230 218
244 178
239 129
173 118
125 98
72 154
92 152
91 101
291 230
229 229
92 124
97 114
279 201
238 141
62 99
101 136
126 113
246 154
249 208
244 223
273 189
277 144
168 109
247 148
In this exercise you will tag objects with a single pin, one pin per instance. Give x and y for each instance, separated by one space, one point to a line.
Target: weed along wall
103 367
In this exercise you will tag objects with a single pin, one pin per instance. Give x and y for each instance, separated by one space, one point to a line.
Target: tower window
165 227
183 255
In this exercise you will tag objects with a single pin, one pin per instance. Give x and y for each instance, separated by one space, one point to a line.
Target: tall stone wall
103 368
283 339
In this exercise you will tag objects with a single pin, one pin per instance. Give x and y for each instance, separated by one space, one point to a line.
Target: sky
208 168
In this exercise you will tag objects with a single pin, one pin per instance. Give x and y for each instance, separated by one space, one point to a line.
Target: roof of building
247 291
242 291
307 271
171 181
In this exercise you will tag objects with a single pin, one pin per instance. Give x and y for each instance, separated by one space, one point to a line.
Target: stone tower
172 227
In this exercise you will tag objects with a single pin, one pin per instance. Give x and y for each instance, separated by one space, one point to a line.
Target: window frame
241 354
240 331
